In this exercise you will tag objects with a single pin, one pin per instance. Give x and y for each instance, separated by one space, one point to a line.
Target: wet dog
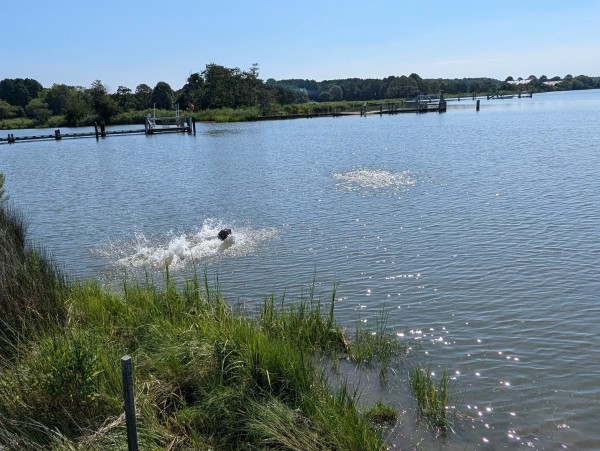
223 234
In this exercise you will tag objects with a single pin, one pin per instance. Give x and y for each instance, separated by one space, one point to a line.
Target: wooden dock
153 126
391 108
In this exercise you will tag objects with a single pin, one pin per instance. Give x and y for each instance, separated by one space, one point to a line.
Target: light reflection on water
479 234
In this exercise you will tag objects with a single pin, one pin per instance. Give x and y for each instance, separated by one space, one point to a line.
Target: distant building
519 82
525 82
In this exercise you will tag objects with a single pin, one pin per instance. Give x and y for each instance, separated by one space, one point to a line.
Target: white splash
373 179
181 248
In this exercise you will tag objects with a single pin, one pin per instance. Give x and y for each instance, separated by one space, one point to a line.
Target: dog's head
223 234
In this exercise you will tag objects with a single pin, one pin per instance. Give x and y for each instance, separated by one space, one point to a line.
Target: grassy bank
206 376
211 115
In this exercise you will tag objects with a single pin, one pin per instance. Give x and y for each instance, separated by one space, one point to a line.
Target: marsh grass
308 322
16 123
32 286
382 414
431 396
228 114
206 376
377 345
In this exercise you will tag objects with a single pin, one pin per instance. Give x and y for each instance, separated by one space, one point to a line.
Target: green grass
16 123
431 396
206 376
377 346
382 414
32 288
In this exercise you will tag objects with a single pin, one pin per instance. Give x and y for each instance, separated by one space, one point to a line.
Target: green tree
19 91
8 111
162 95
336 92
577 84
38 110
419 81
191 93
79 105
218 87
124 98
586 81
324 96
431 86
252 89
56 97
401 87
143 97
104 105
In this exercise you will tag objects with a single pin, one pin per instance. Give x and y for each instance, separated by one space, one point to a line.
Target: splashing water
373 179
179 249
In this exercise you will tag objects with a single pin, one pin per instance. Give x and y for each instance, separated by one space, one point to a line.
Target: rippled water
479 234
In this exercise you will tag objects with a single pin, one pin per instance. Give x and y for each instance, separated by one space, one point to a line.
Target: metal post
477 107
128 395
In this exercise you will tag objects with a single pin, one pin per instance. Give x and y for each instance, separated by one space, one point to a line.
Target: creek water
477 233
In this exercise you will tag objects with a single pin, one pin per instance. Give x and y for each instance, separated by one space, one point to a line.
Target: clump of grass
31 285
63 382
377 345
16 123
305 322
381 414
432 398
228 114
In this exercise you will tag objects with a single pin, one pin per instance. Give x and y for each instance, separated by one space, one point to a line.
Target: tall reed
432 398
31 285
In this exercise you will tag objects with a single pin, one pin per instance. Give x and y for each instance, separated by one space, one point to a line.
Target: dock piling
477 105
129 398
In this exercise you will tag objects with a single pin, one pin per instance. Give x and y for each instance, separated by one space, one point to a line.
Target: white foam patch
373 179
177 249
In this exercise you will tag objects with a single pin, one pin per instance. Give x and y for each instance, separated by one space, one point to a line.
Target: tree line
221 87
393 87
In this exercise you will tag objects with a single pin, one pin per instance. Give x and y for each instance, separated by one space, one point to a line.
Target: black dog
223 234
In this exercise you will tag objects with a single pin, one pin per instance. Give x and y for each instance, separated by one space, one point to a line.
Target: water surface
478 232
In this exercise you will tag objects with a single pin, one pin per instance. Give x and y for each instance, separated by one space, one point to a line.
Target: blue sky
129 42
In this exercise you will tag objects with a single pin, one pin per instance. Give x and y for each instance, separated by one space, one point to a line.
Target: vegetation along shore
229 94
206 376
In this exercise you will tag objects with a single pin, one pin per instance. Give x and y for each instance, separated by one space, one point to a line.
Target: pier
153 126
